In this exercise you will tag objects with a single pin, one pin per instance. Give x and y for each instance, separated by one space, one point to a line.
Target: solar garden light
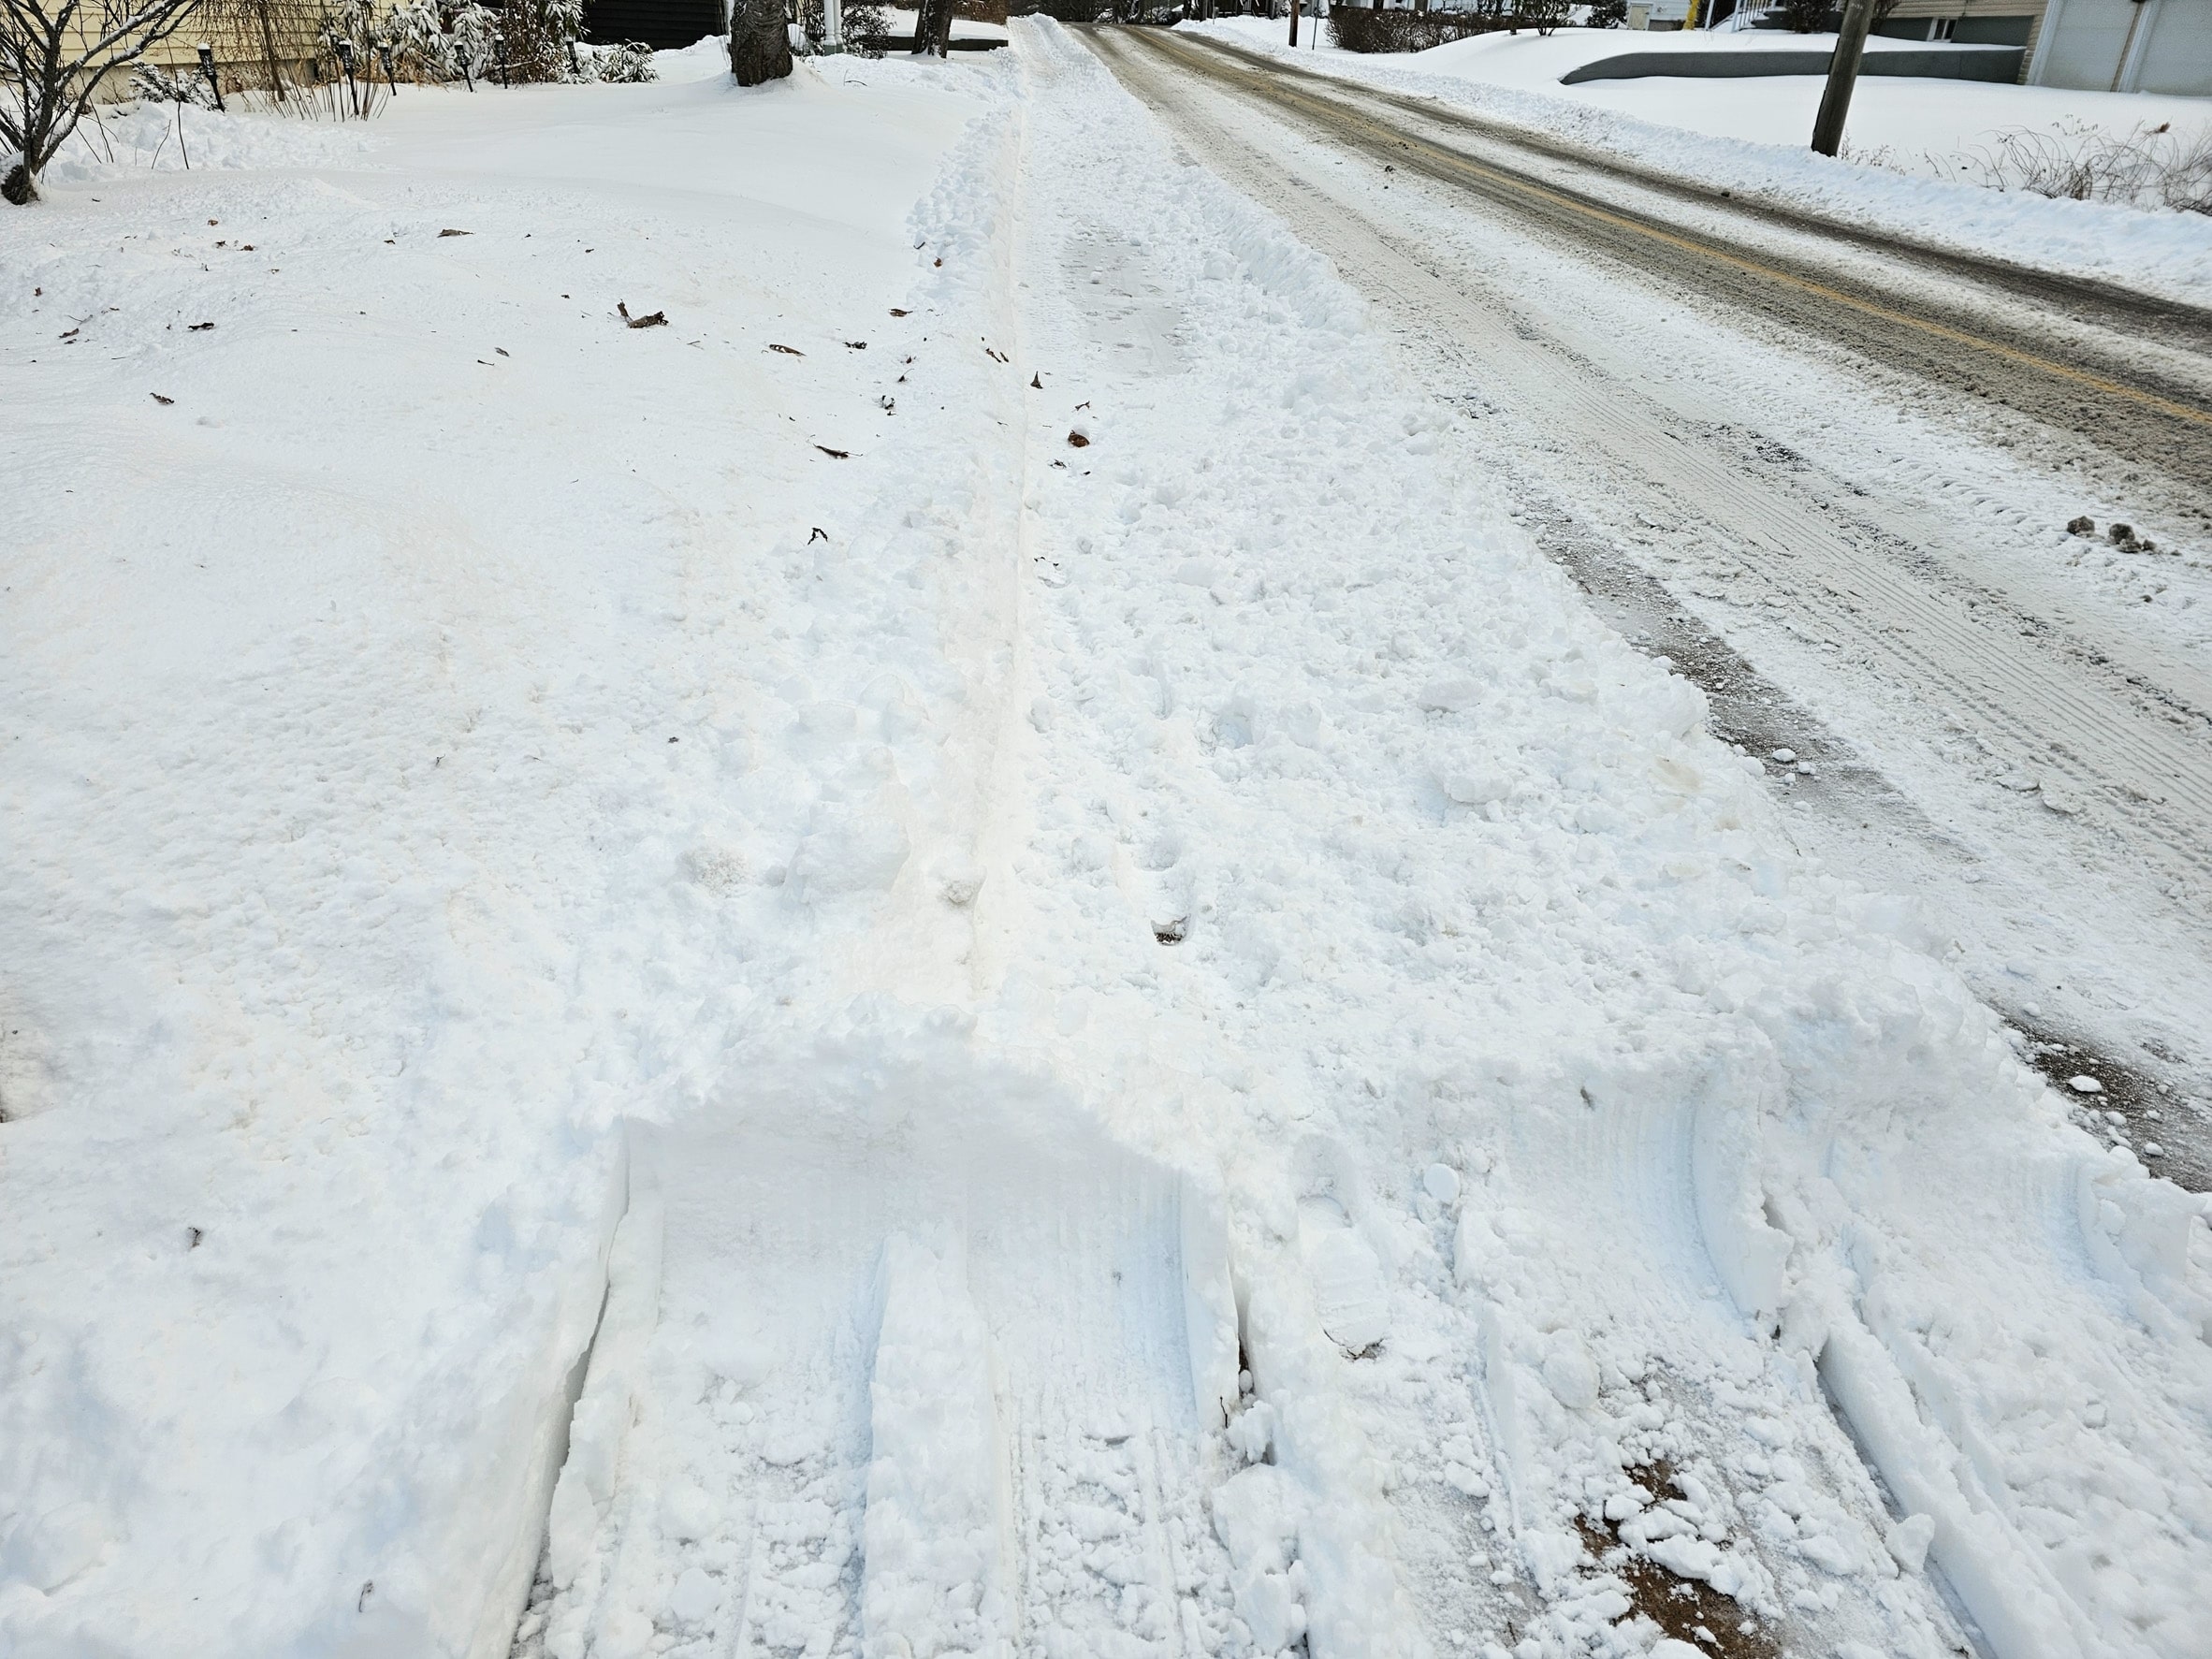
206 67
345 61
498 46
384 51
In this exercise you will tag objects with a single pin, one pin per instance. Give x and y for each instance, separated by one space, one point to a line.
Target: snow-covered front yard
889 882
402 655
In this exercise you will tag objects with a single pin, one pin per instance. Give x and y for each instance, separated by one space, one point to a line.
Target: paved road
2037 769
2122 371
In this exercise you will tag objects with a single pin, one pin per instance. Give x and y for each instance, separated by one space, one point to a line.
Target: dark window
663 24
1992 31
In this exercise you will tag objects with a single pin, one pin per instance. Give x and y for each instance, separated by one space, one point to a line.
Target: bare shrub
54 55
157 85
1363 28
2151 167
539 38
1543 14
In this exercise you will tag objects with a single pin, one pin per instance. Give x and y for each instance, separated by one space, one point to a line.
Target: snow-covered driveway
1108 1025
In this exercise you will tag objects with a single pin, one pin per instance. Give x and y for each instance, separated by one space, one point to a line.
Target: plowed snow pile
1004 979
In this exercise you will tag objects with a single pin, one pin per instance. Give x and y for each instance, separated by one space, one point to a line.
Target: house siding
2159 46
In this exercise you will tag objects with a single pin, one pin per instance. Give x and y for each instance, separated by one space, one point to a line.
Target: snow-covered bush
534 41
471 42
627 62
163 86
867 28
416 37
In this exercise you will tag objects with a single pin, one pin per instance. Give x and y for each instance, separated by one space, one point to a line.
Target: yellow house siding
236 41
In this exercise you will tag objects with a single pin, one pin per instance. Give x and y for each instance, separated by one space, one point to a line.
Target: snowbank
1749 134
705 59
117 141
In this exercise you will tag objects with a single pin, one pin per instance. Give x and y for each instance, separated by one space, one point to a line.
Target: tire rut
2088 735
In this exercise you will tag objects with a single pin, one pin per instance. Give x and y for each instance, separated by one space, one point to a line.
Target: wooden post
1293 22
1834 103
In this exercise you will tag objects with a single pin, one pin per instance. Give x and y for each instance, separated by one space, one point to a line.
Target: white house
2161 46
2152 46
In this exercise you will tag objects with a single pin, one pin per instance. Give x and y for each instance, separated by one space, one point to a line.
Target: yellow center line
1450 159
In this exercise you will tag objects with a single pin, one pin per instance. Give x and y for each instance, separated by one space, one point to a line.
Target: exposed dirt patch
1686 1608
2128 1107
1749 710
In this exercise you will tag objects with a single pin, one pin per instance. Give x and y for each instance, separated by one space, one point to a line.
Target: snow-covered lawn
1040 777
1751 134
401 654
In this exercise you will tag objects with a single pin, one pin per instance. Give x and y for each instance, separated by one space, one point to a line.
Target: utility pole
1834 103
1294 22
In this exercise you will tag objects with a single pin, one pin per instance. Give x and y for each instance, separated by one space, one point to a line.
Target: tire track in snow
2095 733
2117 739
2135 401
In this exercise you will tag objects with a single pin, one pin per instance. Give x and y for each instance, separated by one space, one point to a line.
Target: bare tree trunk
760 41
933 27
